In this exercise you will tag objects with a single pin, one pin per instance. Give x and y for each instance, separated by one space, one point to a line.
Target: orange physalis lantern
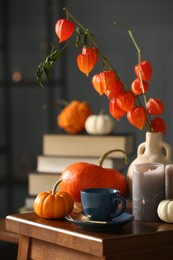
158 125
137 117
96 82
115 110
64 29
85 63
155 106
126 100
137 87
146 70
108 79
93 51
115 91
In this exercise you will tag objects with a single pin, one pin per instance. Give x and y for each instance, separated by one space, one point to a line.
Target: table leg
23 248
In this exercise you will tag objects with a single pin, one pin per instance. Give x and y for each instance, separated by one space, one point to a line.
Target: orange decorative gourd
53 204
72 118
84 175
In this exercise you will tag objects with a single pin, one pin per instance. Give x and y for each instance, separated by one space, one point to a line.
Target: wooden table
8 242
7 236
43 239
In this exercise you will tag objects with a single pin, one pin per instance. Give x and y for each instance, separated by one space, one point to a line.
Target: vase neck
153 137
152 141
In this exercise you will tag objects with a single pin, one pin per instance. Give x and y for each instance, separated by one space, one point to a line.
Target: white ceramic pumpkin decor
165 210
100 124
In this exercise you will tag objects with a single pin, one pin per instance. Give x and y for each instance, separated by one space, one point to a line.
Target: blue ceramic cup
102 204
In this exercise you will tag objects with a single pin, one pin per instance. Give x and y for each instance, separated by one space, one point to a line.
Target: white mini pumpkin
100 124
165 210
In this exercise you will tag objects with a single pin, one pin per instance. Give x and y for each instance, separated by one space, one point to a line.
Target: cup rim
88 190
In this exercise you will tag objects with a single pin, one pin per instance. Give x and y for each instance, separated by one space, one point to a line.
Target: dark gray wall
152 26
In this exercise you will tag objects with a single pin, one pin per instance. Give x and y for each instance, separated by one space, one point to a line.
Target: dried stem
139 61
91 39
86 34
102 157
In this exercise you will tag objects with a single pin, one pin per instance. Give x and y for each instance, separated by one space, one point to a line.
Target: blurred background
26 31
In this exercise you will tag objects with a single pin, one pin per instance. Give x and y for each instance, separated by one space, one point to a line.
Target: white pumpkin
101 124
165 210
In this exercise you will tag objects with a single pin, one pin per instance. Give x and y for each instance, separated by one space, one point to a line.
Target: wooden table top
136 234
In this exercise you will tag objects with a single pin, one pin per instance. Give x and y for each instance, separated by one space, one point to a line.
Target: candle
148 189
169 181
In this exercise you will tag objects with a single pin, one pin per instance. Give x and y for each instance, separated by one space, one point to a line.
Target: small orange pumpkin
53 204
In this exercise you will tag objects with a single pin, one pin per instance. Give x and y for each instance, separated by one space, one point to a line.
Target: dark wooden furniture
8 243
59 239
6 235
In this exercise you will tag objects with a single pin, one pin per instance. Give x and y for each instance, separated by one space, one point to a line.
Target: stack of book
60 151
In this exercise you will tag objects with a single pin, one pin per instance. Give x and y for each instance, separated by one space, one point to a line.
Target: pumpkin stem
102 111
102 157
55 186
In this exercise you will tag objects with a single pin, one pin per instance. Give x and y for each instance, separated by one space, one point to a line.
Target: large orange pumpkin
84 175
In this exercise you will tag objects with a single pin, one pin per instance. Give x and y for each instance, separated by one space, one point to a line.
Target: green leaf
45 66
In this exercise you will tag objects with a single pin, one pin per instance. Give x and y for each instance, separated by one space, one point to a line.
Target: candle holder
148 189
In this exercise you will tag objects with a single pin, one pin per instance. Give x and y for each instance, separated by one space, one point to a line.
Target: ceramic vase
154 149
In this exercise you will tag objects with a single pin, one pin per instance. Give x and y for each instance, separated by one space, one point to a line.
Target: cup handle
121 209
